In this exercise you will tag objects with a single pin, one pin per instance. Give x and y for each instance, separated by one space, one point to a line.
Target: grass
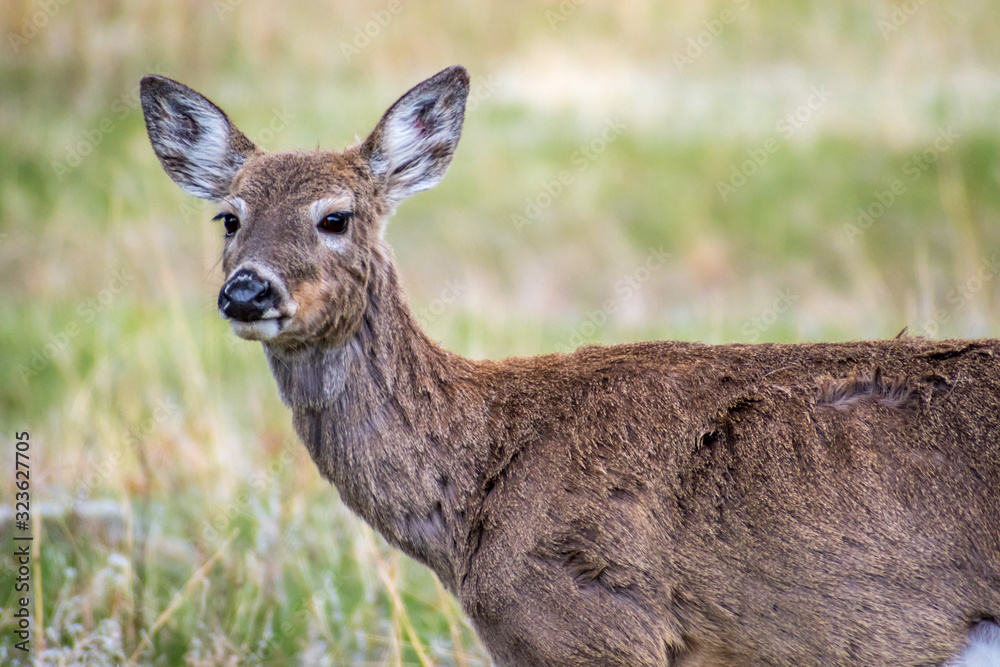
178 520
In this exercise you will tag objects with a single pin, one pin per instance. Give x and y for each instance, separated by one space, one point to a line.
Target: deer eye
231 222
335 223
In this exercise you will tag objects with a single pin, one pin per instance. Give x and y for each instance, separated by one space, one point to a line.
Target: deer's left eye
335 223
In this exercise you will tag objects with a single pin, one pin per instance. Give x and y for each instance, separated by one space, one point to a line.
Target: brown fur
649 504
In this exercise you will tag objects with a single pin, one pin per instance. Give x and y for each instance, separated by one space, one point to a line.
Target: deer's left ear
198 146
411 147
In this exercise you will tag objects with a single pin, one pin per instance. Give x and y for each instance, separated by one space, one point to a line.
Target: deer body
648 504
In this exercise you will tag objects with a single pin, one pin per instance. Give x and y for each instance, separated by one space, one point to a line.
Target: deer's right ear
198 146
411 147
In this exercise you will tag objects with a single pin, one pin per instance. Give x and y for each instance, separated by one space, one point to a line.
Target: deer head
303 228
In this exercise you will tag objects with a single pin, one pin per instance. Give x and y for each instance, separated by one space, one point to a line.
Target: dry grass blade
178 599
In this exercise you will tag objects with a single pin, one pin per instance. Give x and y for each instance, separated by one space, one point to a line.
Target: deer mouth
266 328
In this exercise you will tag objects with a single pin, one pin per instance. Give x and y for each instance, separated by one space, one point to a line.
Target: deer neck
392 420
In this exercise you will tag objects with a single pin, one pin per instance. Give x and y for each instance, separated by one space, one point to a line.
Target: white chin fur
259 330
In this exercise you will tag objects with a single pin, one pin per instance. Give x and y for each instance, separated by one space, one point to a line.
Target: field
714 171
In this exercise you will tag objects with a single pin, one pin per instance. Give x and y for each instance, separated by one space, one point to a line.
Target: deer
657 503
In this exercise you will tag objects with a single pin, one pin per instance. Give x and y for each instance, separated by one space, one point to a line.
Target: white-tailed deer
650 504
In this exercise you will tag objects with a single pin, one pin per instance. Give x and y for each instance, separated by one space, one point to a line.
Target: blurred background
717 171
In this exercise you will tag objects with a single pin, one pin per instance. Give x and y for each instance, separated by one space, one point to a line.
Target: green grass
177 518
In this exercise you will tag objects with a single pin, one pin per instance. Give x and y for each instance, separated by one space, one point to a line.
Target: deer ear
411 147
198 146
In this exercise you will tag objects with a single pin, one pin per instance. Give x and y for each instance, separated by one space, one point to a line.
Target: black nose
246 297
